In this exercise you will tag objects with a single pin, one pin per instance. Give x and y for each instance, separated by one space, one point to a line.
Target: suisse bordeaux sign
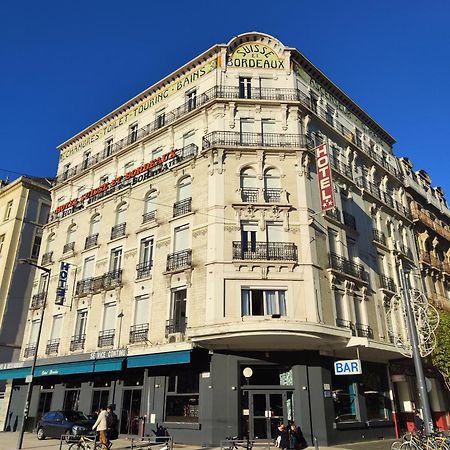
324 177
255 55
348 367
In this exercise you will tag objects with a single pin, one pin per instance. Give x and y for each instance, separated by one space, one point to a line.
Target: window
86 156
150 202
71 401
341 308
181 238
146 254
65 173
35 249
141 309
248 184
160 118
88 267
275 232
263 302
332 240
268 129
329 115
80 190
44 212
100 399
191 100
247 128
108 147
157 152
8 209
34 330
81 323
103 179
56 327
128 166
272 185
116 260
49 245
94 225
121 213
184 189
133 133
248 237
345 399
245 87
70 236
188 139
182 397
109 316
314 102
2 241
177 323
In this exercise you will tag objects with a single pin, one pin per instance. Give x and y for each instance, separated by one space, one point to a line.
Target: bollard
316 444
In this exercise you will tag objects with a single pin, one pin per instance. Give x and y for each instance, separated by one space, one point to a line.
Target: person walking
113 424
101 425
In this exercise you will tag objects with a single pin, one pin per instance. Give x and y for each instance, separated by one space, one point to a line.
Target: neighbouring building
195 281
24 209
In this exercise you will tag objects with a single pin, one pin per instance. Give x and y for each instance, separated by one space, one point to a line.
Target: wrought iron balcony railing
179 260
30 350
149 216
144 269
91 241
249 195
345 324
272 195
387 283
37 301
112 279
106 338
52 346
236 139
109 280
342 168
139 333
343 265
363 330
182 207
349 220
47 258
266 251
176 326
379 236
77 342
69 247
334 214
118 230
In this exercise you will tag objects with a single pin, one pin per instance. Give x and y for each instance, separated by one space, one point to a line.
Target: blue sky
66 64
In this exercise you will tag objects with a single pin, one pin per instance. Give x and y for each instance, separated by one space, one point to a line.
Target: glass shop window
345 399
182 397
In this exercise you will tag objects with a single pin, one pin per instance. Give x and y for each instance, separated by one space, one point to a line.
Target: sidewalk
8 441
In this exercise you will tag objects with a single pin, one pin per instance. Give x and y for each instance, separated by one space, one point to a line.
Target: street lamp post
33 365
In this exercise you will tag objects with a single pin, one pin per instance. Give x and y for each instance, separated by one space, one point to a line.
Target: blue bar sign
348 367
62 283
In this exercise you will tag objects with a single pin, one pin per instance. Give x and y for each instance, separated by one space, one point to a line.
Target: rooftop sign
255 55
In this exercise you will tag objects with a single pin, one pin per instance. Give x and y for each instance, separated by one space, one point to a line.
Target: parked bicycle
236 444
418 441
89 443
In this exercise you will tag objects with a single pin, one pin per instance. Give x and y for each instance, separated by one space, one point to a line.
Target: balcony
149 216
37 301
182 207
77 342
343 265
272 195
175 326
144 269
334 214
139 333
342 323
234 92
52 346
421 215
68 247
91 241
236 139
47 258
349 220
29 351
106 338
179 260
363 330
109 280
342 168
118 230
387 283
368 186
266 251
249 195
379 236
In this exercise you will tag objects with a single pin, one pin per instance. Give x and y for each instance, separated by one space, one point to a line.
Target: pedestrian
418 422
113 424
283 437
297 437
101 425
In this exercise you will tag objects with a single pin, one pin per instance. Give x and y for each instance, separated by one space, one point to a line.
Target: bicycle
236 444
89 443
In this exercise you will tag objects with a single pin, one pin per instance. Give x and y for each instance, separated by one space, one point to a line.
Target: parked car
57 423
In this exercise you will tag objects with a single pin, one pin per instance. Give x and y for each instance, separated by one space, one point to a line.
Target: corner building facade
190 217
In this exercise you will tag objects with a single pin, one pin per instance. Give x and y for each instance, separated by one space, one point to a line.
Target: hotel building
196 282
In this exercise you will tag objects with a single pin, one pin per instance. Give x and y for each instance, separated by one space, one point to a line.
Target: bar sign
62 283
324 177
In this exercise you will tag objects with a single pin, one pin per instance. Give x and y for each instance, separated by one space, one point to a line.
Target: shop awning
159 359
64 369
105 365
9 374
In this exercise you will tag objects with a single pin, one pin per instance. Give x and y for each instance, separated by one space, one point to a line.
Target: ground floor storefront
202 397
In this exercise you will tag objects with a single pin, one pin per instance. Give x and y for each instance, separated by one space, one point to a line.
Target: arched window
50 242
94 225
248 184
272 186
121 213
184 196
150 207
70 237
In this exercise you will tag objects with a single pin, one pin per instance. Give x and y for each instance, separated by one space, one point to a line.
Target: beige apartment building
196 282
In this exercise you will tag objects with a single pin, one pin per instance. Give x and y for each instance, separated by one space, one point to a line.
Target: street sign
348 367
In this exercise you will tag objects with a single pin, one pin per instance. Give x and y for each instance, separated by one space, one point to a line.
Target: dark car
69 423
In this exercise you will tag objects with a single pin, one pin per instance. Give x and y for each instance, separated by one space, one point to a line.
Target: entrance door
131 409
263 411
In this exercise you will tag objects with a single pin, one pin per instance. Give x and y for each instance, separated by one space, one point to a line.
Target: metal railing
106 338
52 346
149 216
379 236
106 281
236 139
175 326
118 230
272 195
249 194
91 241
342 168
387 283
343 265
139 333
179 260
182 207
363 330
37 301
334 214
267 251
77 342
30 350
342 323
69 247
349 220
144 269
47 258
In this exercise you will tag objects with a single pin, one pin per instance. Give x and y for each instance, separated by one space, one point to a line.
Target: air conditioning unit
175 337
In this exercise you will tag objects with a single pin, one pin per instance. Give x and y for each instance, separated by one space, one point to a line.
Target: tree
441 354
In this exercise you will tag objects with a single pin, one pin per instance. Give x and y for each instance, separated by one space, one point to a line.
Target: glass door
131 408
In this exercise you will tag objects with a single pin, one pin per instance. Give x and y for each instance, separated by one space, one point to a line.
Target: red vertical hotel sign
324 177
